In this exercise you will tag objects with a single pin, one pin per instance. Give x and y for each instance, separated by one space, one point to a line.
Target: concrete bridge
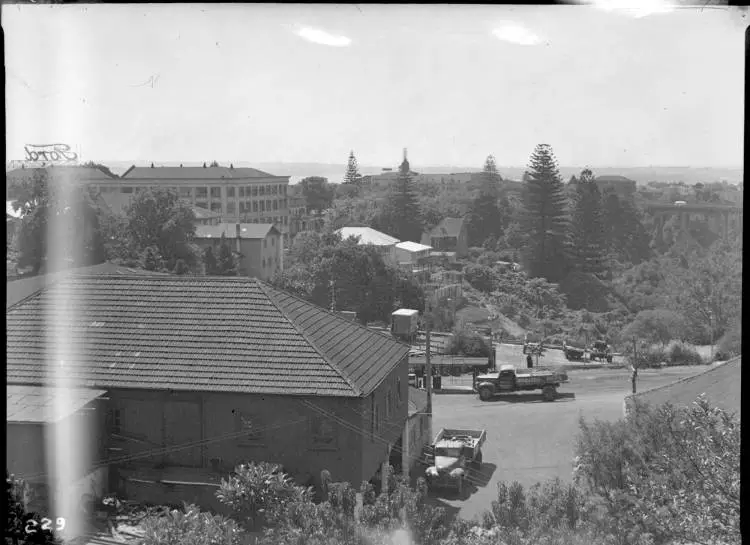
719 216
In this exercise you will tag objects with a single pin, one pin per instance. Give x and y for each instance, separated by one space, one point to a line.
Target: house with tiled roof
258 246
385 244
202 373
449 236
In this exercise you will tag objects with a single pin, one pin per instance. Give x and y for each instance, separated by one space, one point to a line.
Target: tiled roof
226 334
721 384
194 173
17 290
229 230
449 227
368 235
39 404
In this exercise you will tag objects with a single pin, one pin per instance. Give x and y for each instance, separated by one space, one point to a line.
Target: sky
308 83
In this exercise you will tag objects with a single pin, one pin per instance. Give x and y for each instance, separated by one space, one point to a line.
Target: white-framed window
399 395
388 397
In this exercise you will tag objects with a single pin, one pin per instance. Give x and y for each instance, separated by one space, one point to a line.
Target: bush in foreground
190 526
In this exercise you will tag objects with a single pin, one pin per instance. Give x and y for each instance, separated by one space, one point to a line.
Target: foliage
485 219
585 291
209 261
401 217
317 192
681 353
68 213
625 234
708 292
665 473
544 298
256 493
158 218
468 344
545 219
17 519
659 325
226 262
190 526
481 277
587 227
730 344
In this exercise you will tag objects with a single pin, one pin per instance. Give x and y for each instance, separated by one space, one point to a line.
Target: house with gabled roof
203 373
449 236
258 246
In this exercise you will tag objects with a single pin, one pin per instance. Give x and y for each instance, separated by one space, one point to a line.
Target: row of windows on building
215 192
276 220
251 430
392 401
244 207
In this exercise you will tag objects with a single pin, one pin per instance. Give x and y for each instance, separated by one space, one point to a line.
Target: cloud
634 8
317 36
516 34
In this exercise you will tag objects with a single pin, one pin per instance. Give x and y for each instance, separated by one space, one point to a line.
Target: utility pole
428 359
333 295
635 365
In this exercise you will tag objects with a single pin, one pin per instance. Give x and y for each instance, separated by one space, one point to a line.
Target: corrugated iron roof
413 246
39 404
194 173
368 235
230 334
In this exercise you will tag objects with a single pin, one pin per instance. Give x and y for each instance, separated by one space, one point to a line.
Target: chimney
152 165
231 166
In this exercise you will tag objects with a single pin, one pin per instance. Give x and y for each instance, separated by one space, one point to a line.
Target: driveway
529 440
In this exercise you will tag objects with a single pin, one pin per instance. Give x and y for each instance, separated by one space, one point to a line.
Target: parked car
508 380
572 351
601 351
454 452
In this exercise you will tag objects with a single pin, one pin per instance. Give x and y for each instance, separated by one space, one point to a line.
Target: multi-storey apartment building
238 195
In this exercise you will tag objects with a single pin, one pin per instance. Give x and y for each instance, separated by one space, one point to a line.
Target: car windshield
448 452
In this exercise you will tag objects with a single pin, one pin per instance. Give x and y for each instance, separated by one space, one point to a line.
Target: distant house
258 246
385 244
448 236
203 373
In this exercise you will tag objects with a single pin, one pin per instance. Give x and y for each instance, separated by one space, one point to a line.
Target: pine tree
589 246
352 175
545 218
485 219
402 217
226 264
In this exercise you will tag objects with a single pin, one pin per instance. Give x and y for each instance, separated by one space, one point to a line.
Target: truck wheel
485 394
549 393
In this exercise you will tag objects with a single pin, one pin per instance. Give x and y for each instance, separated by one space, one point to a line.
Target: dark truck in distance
532 344
508 380
454 452
601 351
573 351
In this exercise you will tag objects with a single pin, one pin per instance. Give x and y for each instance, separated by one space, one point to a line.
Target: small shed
405 322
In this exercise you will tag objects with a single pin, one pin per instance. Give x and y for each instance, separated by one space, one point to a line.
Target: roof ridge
264 288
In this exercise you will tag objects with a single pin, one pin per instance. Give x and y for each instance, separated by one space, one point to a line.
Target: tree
209 261
544 297
226 264
481 277
402 217
545 218
318 193
485 218
67 212
588 245
158 218
352 175
658 325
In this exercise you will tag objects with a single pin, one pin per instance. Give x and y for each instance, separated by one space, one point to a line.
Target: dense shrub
666 475
190 526
17 520
467 344
730 344
585 290
684 354
656 326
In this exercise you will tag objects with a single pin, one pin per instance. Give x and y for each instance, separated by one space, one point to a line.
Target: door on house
183 427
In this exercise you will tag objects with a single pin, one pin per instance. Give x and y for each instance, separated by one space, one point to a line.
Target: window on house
261 190
216 193
242 192
186 192
377 417
265 243
273 242
255 206
275 204
248 428
127 189
388 405
201 192
255 191
230 192
322 433
231 207
262 206
274 189
399 395
263 263
268 189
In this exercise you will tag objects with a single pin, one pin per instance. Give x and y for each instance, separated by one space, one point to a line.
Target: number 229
33 526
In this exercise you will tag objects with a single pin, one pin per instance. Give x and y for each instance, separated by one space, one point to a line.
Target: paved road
531 441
